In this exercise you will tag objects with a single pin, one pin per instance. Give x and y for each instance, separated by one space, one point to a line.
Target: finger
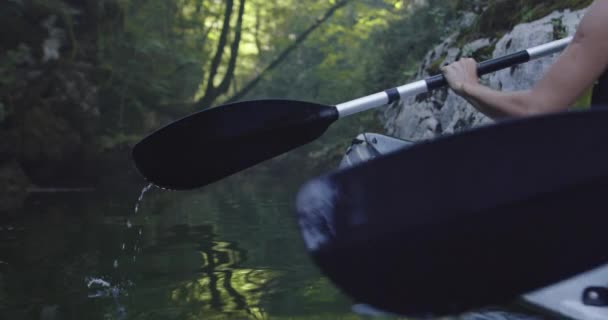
467 61
467 65
474 63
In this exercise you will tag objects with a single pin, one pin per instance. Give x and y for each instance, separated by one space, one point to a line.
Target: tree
281 57
213 91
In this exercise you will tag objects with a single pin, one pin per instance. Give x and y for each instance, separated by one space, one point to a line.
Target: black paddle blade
467 220
209 145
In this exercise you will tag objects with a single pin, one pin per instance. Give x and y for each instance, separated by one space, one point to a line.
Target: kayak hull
408 231
560 299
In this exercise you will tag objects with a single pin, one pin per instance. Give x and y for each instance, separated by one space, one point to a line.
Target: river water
230 250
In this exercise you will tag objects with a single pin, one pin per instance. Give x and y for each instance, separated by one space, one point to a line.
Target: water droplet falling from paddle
141 196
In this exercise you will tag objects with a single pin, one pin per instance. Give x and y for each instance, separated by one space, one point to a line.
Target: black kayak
467 220
583 297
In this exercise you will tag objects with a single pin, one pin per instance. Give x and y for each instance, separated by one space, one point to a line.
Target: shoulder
595 21
592 33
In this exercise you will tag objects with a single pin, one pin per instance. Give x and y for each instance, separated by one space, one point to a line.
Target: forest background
82 81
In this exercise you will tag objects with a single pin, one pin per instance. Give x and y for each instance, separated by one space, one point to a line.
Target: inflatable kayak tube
583 297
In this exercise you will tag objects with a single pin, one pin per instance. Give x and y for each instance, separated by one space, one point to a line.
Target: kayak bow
467 220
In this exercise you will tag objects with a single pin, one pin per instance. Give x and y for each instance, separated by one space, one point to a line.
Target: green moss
435 66
484 53
470 6
481 54
539 9
108 142
559 30
502 15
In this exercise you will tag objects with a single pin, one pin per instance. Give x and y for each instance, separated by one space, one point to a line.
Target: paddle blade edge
210 145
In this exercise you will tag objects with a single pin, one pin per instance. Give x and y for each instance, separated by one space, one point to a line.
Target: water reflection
223 286
231 251
218 284
223 257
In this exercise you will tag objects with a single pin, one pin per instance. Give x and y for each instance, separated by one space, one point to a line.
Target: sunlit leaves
162 57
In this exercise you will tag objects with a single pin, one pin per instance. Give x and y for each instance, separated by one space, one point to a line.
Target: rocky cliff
442 111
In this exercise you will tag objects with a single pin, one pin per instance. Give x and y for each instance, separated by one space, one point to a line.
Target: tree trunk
219 53
213 92
299 40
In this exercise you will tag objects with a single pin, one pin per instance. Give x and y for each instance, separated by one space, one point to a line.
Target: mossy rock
484 53
539 9
502 15
435 67
559 30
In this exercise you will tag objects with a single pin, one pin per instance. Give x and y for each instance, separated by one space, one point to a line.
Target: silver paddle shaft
422 86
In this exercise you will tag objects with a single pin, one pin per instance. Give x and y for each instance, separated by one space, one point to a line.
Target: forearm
497 104
575 70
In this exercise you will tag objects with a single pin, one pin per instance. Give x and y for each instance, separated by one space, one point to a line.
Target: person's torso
600 92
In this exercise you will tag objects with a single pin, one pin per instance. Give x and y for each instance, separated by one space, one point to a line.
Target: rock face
49 108
442 111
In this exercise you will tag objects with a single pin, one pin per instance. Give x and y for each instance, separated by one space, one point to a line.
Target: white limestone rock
443 112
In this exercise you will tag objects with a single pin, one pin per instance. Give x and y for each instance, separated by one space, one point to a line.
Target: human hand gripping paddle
210 145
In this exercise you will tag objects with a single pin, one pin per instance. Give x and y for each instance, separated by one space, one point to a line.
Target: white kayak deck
565 298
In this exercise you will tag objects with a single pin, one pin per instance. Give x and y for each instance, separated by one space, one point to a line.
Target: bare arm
584 61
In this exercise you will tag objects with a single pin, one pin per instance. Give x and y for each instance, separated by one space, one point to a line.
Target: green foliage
538 9
328 66
9 63
502 15
153 61
149 62
434 67
559 30
107 142
402 45
584 101
484 53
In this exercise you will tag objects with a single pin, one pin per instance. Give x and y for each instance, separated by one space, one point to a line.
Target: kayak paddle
209 145
467 220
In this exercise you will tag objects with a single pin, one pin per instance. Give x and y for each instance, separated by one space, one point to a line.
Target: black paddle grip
485 67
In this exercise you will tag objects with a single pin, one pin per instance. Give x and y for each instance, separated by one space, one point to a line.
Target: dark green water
227 251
